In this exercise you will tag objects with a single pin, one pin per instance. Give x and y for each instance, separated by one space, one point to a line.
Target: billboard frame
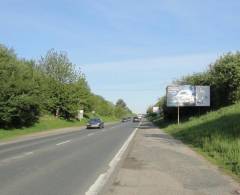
193 92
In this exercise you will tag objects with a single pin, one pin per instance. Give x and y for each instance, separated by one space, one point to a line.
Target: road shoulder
159 164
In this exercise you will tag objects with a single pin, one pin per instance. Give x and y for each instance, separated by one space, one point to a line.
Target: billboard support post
178 114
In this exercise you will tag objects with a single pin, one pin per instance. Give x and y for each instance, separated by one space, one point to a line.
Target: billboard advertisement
155 109
188 95
202 96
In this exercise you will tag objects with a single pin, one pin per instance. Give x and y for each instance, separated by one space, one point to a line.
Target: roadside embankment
216 135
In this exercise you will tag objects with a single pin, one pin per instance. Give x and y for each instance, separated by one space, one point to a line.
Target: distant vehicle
124 120
95 123
136 119
139 116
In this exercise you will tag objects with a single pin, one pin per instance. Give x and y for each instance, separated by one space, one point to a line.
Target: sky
129 49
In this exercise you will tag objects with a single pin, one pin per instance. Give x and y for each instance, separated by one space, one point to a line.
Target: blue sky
128 49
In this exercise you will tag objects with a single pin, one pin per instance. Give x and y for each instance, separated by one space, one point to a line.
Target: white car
185 97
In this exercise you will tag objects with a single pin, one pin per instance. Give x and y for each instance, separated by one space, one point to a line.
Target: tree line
51 85
223 77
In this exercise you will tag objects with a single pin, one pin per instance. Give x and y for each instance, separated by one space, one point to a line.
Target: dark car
95 123
124 120
136 119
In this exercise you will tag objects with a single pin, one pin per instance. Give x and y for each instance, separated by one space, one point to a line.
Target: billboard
155 109
202 96
188 95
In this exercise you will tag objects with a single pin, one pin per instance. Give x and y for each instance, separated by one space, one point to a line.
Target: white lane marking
17 157
103 178
28 153
90 134
61 143
13 158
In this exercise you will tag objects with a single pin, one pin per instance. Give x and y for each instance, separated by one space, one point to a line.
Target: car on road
124 120
139 116
136 119
95 123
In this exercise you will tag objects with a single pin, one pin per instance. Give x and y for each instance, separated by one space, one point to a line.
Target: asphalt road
64 164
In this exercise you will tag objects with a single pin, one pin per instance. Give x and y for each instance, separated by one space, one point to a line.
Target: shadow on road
160 136
163 137
146 125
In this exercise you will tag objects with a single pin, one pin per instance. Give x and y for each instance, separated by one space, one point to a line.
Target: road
64 164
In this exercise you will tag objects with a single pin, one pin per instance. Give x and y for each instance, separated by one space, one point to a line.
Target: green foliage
46 122
101 106
121 109
19 103
52 86
58 66
121 103
119 112
225 79
82 94
61 77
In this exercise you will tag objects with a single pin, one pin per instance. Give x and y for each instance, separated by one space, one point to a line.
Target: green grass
109 119
46 123
104 118
216 135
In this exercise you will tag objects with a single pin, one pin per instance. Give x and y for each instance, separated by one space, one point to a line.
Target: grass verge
215 135
45 123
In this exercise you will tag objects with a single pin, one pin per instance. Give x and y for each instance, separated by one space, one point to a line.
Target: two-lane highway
63 164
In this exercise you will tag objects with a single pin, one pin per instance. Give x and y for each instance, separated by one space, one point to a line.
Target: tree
58 66
121 109
225 75
19 100
82 94
61 81
121 103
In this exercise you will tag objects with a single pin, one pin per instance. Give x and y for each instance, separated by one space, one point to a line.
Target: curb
105 179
